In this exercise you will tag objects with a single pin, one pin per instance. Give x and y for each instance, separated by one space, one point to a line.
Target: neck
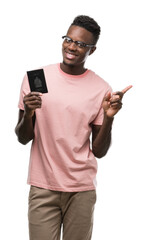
72 70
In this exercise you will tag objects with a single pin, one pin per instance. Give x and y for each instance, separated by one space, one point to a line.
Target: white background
31 33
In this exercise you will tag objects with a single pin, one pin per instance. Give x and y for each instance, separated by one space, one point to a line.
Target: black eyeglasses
78 43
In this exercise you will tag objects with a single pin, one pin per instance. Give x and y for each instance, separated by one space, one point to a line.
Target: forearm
25 130
102 141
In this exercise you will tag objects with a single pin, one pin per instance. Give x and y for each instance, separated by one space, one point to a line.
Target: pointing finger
126 89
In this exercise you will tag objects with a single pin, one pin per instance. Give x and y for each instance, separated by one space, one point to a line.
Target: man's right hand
32 101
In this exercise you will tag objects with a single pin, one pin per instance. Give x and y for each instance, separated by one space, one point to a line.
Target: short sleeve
100 116
25 89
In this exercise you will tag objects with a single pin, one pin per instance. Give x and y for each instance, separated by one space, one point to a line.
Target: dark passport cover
37 81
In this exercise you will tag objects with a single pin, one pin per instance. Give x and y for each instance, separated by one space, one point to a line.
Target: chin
69 64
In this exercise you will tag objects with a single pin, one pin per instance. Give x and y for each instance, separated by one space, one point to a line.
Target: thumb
107 97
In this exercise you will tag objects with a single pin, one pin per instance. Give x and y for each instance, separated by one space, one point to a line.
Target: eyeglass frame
78 42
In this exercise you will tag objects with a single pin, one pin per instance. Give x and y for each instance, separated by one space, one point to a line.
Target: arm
101 135
25 126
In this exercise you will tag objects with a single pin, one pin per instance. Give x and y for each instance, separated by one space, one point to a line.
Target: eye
80 44
68 40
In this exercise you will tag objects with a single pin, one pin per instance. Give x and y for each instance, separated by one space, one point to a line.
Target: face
73 55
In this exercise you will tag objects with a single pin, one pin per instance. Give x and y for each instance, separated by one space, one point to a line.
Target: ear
92 50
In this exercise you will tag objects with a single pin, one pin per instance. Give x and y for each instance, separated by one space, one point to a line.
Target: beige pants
48 210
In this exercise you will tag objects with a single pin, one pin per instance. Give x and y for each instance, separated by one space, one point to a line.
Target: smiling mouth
70 56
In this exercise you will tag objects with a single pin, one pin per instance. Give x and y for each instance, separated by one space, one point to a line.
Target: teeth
70 56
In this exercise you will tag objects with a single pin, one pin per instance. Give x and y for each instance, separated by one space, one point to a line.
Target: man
62 171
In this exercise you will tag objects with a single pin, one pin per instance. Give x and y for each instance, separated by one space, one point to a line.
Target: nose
72 46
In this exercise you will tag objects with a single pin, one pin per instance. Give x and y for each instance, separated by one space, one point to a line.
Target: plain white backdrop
31 33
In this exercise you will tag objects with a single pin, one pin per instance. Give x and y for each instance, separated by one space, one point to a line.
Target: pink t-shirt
61 158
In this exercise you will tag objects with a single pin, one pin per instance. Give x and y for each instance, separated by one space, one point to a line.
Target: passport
37 81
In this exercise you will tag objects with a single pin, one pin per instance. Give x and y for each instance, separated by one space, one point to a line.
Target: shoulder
99 81
50 67
46 68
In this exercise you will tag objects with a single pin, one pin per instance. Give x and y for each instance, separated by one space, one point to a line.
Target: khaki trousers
48 210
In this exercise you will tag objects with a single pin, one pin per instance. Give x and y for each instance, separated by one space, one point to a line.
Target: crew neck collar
70 75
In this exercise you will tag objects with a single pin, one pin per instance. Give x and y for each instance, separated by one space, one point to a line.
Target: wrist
28 116
108 118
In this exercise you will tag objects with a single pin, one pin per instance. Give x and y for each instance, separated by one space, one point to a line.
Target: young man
62 171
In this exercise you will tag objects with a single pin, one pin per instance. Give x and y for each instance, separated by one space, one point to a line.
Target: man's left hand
113 103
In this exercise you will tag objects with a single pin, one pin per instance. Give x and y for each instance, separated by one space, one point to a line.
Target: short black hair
89 24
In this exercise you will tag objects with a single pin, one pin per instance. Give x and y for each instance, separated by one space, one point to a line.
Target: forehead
80 34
